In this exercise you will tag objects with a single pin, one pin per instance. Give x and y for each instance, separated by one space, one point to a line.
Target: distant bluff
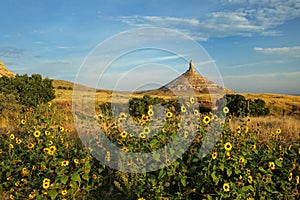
5 72
191 79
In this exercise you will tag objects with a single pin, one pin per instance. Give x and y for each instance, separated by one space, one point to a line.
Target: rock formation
5 72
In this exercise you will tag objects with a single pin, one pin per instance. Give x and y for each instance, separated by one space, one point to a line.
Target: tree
29 91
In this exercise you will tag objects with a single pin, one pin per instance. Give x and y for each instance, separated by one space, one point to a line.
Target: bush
139 106
240 106
29 91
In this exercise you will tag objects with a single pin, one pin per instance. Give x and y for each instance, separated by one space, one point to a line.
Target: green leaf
278 163
76 177
64 179
156 156
221 166
161 174
229 172
53 194
247 188
214 177
183 182
85 176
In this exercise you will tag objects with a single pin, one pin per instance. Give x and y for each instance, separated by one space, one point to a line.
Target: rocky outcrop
5 72
192 80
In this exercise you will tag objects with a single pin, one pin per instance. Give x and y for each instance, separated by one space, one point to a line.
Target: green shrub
240 106
29 91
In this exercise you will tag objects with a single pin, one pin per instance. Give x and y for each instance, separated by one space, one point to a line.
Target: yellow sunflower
226 187
206 119
64 163
183 109
150 112
228 146
278 131
226 110
169 114
123 134
250 179
64 192
192 100
214 155
290 176
271 165
37 133
12 136
23 121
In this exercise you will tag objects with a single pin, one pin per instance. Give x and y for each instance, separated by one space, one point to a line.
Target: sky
249 46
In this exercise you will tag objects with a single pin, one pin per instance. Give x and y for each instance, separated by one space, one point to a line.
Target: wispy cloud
293 51
11 52
245 18
261 75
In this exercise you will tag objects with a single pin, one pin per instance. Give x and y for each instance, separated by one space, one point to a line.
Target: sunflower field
42 159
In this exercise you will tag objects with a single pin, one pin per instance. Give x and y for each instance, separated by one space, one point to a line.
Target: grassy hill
278 103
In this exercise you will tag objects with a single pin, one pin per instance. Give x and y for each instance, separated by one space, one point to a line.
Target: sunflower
46 185
272 165
183 109
239 129
150 112
49 104
242 160
76 161
169 114
196 112
250 179
214 155
297 179
280 159
37 133
228 146
278 131
47 133
61 129
192 100
125 149
64 192
18 141
215 118
185 134
46 150
64 163
31 195
295 192
206 119
52 148
248 172
142 135
146 130
12 136
122 115
11 146
226 110
23 121
290 176
123 134
24 171
226 187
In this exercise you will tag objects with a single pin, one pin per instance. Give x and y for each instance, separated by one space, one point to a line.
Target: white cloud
293 51
242 17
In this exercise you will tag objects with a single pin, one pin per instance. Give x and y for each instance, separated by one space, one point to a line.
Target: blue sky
254 45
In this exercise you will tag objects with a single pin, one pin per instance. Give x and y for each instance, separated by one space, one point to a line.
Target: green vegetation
40 159
27 90
240 106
